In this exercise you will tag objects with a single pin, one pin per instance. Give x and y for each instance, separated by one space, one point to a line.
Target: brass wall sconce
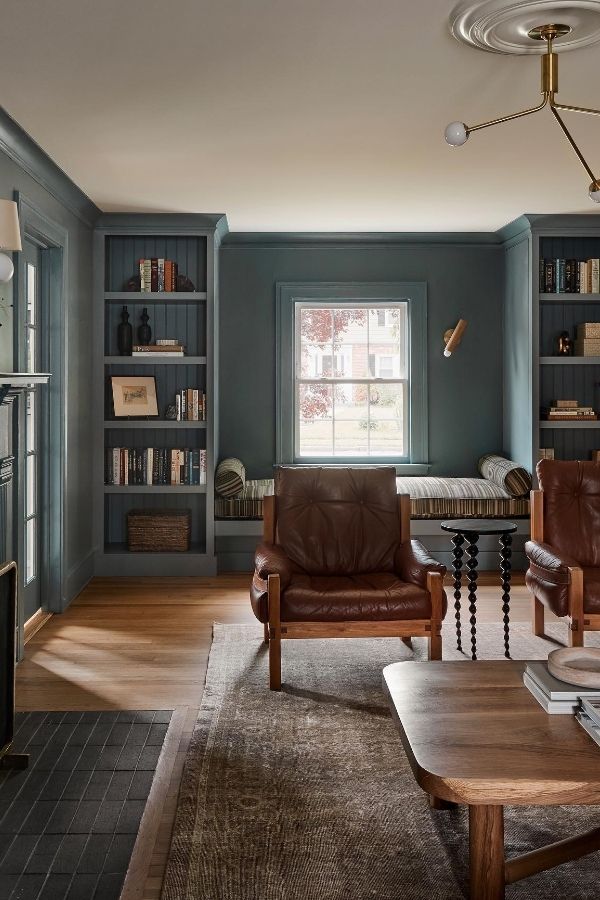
453 337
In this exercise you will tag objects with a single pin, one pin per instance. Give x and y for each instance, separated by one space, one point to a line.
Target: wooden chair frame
275 630
579 622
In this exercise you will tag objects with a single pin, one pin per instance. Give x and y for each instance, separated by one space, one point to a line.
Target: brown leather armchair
337 561
564 550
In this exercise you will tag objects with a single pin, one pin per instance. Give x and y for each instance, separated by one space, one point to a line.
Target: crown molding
361 240
26 153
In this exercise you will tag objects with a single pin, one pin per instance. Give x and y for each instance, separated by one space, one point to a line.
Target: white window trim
359 294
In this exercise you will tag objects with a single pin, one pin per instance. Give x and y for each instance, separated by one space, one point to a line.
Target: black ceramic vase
125 334
144 330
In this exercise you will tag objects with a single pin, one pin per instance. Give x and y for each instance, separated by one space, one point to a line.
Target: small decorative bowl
576 665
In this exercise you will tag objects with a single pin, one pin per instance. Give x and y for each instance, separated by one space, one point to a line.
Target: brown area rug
307 794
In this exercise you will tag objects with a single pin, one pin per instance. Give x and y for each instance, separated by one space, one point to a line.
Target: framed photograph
134 395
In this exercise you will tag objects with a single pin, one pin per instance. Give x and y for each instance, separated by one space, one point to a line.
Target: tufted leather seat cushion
338 521
379 596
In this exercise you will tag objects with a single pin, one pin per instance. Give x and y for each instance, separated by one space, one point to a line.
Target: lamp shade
10 233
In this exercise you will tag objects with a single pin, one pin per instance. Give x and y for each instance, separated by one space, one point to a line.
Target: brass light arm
517 115
569 108
567 134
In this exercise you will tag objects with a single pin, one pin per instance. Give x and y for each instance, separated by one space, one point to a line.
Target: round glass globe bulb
595 191
6 268
456 134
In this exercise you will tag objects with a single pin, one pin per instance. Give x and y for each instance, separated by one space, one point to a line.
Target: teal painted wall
465 280
77 312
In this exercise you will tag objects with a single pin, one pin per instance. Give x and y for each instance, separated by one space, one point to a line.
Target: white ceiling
291 115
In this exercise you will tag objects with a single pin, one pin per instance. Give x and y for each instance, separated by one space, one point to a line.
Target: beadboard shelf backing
121 240
534 377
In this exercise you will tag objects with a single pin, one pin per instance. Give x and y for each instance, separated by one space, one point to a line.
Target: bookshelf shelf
155 489
545 425
121 549
155 361
155 297
569 299
150 424
190 317
570 360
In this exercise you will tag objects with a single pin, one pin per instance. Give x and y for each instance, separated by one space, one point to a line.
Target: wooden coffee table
475 735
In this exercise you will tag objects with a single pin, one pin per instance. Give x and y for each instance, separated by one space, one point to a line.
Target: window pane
351 426
388 417
31 286
315 431
30 487
351 342
30 550
30 418
30 337
388 338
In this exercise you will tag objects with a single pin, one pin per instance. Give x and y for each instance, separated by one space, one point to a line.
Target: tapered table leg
505 555
486 852
472 552
457 542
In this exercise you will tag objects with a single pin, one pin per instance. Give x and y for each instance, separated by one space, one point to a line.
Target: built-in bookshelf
535 376
190 317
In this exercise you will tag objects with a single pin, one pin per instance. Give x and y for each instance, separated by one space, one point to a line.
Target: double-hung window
351 374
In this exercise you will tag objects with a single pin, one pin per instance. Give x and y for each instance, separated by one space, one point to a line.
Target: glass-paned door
29 457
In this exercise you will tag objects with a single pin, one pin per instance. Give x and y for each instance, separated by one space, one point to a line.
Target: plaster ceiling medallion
503 26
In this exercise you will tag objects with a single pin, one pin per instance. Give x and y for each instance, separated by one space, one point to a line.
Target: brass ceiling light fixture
457 133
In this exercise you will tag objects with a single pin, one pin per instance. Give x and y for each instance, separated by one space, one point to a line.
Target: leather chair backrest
572 508
338 521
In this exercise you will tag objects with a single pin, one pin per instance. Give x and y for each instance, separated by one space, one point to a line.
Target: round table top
479 526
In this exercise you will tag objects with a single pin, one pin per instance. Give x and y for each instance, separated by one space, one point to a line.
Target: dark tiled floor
68 822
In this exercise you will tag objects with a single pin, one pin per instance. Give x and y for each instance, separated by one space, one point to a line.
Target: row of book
154 466
567 411
158 275
570 276
190 405
168 347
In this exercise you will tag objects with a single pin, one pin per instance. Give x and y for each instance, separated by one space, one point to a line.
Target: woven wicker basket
159 530
588 330
587 347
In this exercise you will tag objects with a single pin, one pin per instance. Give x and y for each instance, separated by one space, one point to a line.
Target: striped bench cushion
431 498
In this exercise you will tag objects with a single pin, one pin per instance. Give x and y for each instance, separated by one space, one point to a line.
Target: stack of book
588 716
570 276
163 348
568 411
190 405
158 275
546 453
556 697
154 466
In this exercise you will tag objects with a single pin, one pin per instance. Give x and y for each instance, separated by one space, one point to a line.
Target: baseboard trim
33 625
77 578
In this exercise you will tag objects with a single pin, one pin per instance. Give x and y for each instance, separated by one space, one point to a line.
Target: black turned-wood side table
469 530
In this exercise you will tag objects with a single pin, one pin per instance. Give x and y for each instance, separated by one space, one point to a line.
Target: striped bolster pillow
230 477
507 474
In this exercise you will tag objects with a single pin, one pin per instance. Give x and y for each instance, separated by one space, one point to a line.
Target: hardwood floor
143 643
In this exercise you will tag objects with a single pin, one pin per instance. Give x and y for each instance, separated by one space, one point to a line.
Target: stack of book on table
556 697
588 715
569 411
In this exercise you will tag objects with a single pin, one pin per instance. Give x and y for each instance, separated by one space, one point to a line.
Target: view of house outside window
351 391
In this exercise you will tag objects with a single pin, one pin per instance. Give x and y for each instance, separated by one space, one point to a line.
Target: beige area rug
307 794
